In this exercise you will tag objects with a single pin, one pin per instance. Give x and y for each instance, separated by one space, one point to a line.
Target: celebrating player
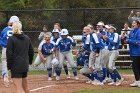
113 46
64 44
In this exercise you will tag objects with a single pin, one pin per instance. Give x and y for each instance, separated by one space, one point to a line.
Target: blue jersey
64 44
86 43
96 42
83 58
103 32
113 41
133 45
5 34
54 39
46 49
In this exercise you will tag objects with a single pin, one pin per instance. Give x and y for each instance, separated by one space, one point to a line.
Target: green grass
125 71
134 90
121 71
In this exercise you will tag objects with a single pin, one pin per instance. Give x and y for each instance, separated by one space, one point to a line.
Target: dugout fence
72 19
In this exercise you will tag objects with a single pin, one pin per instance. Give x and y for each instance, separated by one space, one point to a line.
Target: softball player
113 46
85 55
41 39
45 51
55 36
64 44
5 34
94 41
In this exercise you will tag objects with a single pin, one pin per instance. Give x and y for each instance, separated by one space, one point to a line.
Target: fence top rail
71 9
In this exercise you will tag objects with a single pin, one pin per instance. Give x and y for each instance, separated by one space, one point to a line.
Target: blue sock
74 71
100 76
117 74
92 76
49 72
104 73
107 73
66 70
113 77
58 71
95 75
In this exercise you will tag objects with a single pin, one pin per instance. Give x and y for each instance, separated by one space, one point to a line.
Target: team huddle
97 55
100 51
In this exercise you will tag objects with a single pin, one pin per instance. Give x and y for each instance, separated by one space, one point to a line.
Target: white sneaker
6 82
135 84
57 78
111 83
54 74
119 82
49 79
76 78
100 83
68 77
89 81
108 80
95 82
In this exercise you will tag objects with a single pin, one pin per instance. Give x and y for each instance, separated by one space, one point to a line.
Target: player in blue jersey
64 45
45 51
84 54
55 36
113 45
5 34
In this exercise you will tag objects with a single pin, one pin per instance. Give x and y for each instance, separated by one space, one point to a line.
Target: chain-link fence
72 19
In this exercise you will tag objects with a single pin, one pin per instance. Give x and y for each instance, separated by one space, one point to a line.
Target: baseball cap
107 26
100 23
13 19
64 32
112 27
55 30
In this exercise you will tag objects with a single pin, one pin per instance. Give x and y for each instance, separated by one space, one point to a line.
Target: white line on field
42 88
128 75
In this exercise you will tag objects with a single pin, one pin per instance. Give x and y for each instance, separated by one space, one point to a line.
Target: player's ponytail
17 27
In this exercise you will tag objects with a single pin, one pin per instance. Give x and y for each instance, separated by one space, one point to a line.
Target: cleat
95 82
119 82
76 78
68 77
100 83
57 78
111 83
135 84
49 79
89 81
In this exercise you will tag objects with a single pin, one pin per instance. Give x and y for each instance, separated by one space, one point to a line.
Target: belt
112 49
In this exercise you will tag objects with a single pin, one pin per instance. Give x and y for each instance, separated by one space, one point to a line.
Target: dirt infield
40 84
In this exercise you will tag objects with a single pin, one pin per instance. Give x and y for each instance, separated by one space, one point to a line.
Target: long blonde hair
17 27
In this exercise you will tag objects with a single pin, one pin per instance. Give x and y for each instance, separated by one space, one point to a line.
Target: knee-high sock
58 71
107 73
92 76
66 70
49 72
100 75
104 73
113 76
117 74
74 71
